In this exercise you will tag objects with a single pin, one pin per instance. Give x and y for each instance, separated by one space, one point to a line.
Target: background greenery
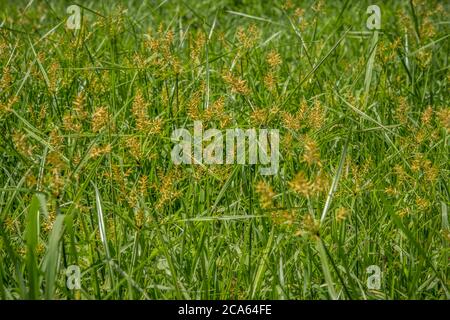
86 177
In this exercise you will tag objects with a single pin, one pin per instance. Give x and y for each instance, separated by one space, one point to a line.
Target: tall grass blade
31 237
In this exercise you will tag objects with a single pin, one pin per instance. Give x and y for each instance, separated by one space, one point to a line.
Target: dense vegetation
86 177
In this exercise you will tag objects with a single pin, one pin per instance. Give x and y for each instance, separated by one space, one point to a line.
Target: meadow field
92 205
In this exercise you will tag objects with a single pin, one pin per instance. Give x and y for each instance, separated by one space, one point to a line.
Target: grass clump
86 177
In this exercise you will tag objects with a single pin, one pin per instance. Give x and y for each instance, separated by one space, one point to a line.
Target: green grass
86 176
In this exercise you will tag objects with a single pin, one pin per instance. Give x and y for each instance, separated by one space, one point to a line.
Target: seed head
273 59
444 118
312 153
266 194
300 184
236 84
99 119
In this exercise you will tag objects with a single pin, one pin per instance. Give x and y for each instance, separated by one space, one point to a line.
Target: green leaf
31 238
326 270
51 257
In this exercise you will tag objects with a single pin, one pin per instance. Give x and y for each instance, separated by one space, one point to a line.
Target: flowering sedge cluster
87 118
262 147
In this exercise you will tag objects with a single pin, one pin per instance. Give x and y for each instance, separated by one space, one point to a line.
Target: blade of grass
334 183
262 266
31 237
102 229
52 256
326 269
